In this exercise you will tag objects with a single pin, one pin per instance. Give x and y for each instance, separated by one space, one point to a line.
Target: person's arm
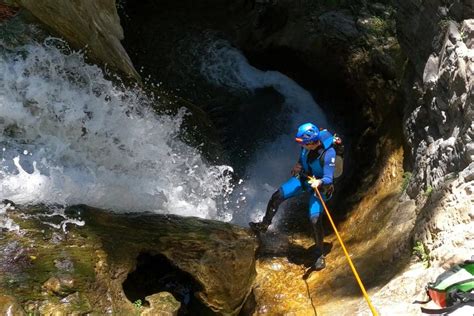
297 167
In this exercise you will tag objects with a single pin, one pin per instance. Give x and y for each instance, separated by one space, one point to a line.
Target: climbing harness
354 271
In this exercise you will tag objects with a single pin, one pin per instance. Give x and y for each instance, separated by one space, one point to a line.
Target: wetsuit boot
272 207
320 263
318 233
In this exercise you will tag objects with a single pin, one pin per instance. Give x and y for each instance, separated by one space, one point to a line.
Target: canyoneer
314 169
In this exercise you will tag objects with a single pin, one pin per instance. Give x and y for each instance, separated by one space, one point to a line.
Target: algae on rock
83 270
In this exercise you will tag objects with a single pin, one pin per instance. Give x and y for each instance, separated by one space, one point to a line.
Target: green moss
137 305
444 22
406 180
428 191
377 26
40 265
92 255
37 258
421 252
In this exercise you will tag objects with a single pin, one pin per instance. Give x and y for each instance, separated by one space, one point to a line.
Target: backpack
339 148
452 289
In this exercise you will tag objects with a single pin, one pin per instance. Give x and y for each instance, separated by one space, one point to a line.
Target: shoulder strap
321 157
441 310
461 299
422 302
304 161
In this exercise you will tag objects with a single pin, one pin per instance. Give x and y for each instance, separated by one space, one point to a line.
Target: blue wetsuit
320 163
315 165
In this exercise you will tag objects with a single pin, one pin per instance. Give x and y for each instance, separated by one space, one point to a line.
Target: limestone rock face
449 213
439 129
445 226
91 24
419 22
439 125
437 37
84 270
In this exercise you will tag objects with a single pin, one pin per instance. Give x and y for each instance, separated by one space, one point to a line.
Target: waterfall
270 166
68 136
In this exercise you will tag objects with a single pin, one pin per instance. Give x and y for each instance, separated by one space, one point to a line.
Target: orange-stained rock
9 306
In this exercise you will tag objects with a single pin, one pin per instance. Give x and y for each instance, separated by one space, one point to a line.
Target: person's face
312 146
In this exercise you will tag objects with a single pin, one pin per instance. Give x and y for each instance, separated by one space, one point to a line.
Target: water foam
226 66
68 136
6 222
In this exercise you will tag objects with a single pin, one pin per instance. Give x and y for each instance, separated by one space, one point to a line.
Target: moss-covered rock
9 306
83 270
161 304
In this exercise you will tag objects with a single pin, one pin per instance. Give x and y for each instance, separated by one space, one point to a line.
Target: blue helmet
307 133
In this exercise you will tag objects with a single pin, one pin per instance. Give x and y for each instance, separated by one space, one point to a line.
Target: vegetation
377 25
138 306
428 191
443 23
420 251
406 180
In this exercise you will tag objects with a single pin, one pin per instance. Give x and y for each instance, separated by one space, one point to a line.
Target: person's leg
289 189
315 215
272 207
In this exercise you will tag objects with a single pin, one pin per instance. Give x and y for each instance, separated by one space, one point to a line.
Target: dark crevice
248 309
155 274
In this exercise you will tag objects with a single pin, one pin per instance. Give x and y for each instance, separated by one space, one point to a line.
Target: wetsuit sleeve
329 166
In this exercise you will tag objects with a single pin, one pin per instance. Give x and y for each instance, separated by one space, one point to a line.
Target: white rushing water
270 166
6 222
70 136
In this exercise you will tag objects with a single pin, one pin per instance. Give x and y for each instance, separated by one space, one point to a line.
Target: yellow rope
374 312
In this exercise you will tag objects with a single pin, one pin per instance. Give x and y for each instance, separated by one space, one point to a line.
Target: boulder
338 25
88 266
91 25
161 304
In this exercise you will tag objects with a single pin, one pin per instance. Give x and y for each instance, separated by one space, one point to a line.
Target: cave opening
161 36
155 274
351 117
